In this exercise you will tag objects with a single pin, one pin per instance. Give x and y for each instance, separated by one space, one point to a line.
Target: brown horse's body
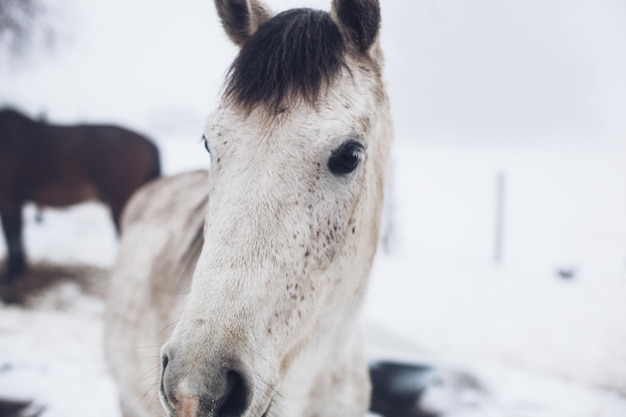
62 165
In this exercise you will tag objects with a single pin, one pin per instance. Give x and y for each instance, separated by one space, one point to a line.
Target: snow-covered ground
546 345
542 345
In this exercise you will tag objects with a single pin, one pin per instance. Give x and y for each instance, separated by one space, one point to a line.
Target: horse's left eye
206 144
346 158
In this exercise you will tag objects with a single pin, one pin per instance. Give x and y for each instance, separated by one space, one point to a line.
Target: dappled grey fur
295 54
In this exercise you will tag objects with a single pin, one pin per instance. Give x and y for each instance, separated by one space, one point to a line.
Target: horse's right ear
242 18
359 20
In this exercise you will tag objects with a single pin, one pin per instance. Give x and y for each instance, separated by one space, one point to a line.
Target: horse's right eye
346 158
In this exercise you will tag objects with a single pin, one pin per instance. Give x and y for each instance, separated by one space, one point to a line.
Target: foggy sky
508 70
524 71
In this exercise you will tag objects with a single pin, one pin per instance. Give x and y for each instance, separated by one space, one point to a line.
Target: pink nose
202 392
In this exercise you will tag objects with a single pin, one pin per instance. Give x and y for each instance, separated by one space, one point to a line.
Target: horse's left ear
359 20
242 18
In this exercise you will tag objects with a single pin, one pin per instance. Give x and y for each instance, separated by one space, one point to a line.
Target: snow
534 337
54 356
541 345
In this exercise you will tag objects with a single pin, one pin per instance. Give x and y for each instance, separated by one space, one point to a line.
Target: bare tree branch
19 20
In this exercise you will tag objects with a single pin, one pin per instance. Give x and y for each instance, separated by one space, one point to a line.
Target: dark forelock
295 54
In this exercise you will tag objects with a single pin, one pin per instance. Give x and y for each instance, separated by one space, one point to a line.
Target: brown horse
62 165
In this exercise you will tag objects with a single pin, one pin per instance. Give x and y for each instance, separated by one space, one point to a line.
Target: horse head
298 149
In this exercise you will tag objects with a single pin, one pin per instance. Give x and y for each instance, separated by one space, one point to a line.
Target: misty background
485 71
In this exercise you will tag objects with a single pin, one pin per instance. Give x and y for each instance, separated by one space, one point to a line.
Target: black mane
294 54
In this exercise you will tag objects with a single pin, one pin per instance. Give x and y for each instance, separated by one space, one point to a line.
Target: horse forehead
340 112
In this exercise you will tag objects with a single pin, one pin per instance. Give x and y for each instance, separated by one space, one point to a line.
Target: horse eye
346 158
206 144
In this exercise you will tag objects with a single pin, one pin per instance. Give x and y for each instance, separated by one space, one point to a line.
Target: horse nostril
236 397
222 393
163 386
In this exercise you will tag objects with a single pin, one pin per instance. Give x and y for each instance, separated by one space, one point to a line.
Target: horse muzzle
201 390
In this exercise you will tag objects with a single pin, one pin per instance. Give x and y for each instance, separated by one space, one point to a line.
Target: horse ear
242 18
359 20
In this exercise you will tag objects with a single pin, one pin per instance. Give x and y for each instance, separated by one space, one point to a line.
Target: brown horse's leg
11 214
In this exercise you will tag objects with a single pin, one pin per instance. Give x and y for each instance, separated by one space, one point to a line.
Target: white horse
250 281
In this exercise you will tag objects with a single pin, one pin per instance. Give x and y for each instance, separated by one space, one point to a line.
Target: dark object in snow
566 273
63 165
19 408
397 389
416 390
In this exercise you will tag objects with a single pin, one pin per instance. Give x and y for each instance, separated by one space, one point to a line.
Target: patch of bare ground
41 277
